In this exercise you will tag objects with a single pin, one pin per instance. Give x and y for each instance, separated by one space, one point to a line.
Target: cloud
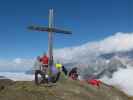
122 80
17 60
17 76
115 43
17 64
118 42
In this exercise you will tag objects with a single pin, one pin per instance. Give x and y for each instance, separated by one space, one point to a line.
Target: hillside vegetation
63 90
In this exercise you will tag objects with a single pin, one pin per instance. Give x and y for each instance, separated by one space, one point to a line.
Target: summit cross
50 29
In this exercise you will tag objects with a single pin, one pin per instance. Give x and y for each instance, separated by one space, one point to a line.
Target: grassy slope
64 90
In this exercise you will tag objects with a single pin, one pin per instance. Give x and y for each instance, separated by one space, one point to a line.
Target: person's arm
40 65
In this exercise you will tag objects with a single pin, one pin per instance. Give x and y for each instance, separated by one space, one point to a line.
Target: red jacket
44 60
94 82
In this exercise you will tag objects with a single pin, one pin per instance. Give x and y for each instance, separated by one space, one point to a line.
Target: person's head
75 68
44 54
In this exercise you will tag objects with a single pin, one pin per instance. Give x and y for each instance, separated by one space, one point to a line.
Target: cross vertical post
50 40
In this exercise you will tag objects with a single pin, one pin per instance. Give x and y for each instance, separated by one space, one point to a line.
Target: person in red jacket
44 61
41 66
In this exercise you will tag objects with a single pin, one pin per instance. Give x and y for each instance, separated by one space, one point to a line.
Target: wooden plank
47 29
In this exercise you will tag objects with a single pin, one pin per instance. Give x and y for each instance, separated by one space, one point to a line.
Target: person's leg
64 70
55 79
44 77
58 76
36 76
46 74
44 71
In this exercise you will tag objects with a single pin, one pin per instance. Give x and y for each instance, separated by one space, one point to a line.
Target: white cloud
17 60
17 76
122 79
118 42
17 64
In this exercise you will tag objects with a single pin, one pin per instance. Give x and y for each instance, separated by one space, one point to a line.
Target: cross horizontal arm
42 28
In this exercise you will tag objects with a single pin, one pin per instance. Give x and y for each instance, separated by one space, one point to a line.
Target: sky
89 20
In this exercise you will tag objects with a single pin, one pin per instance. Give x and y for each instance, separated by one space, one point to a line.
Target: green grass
63 90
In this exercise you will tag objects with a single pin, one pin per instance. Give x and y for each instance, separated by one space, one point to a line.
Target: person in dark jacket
64 70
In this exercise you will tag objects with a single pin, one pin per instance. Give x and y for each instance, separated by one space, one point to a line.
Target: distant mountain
3 78
102 68
107 63
123 54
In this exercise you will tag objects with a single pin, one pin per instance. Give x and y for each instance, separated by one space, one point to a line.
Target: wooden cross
50 29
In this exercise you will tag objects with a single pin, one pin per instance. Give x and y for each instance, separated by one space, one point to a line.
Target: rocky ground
63 90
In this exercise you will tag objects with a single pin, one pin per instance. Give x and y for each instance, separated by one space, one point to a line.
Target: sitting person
57 71
73 74
40 69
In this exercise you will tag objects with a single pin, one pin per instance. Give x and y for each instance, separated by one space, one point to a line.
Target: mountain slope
64 90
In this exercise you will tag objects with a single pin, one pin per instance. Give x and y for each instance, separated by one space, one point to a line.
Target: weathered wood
47 29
